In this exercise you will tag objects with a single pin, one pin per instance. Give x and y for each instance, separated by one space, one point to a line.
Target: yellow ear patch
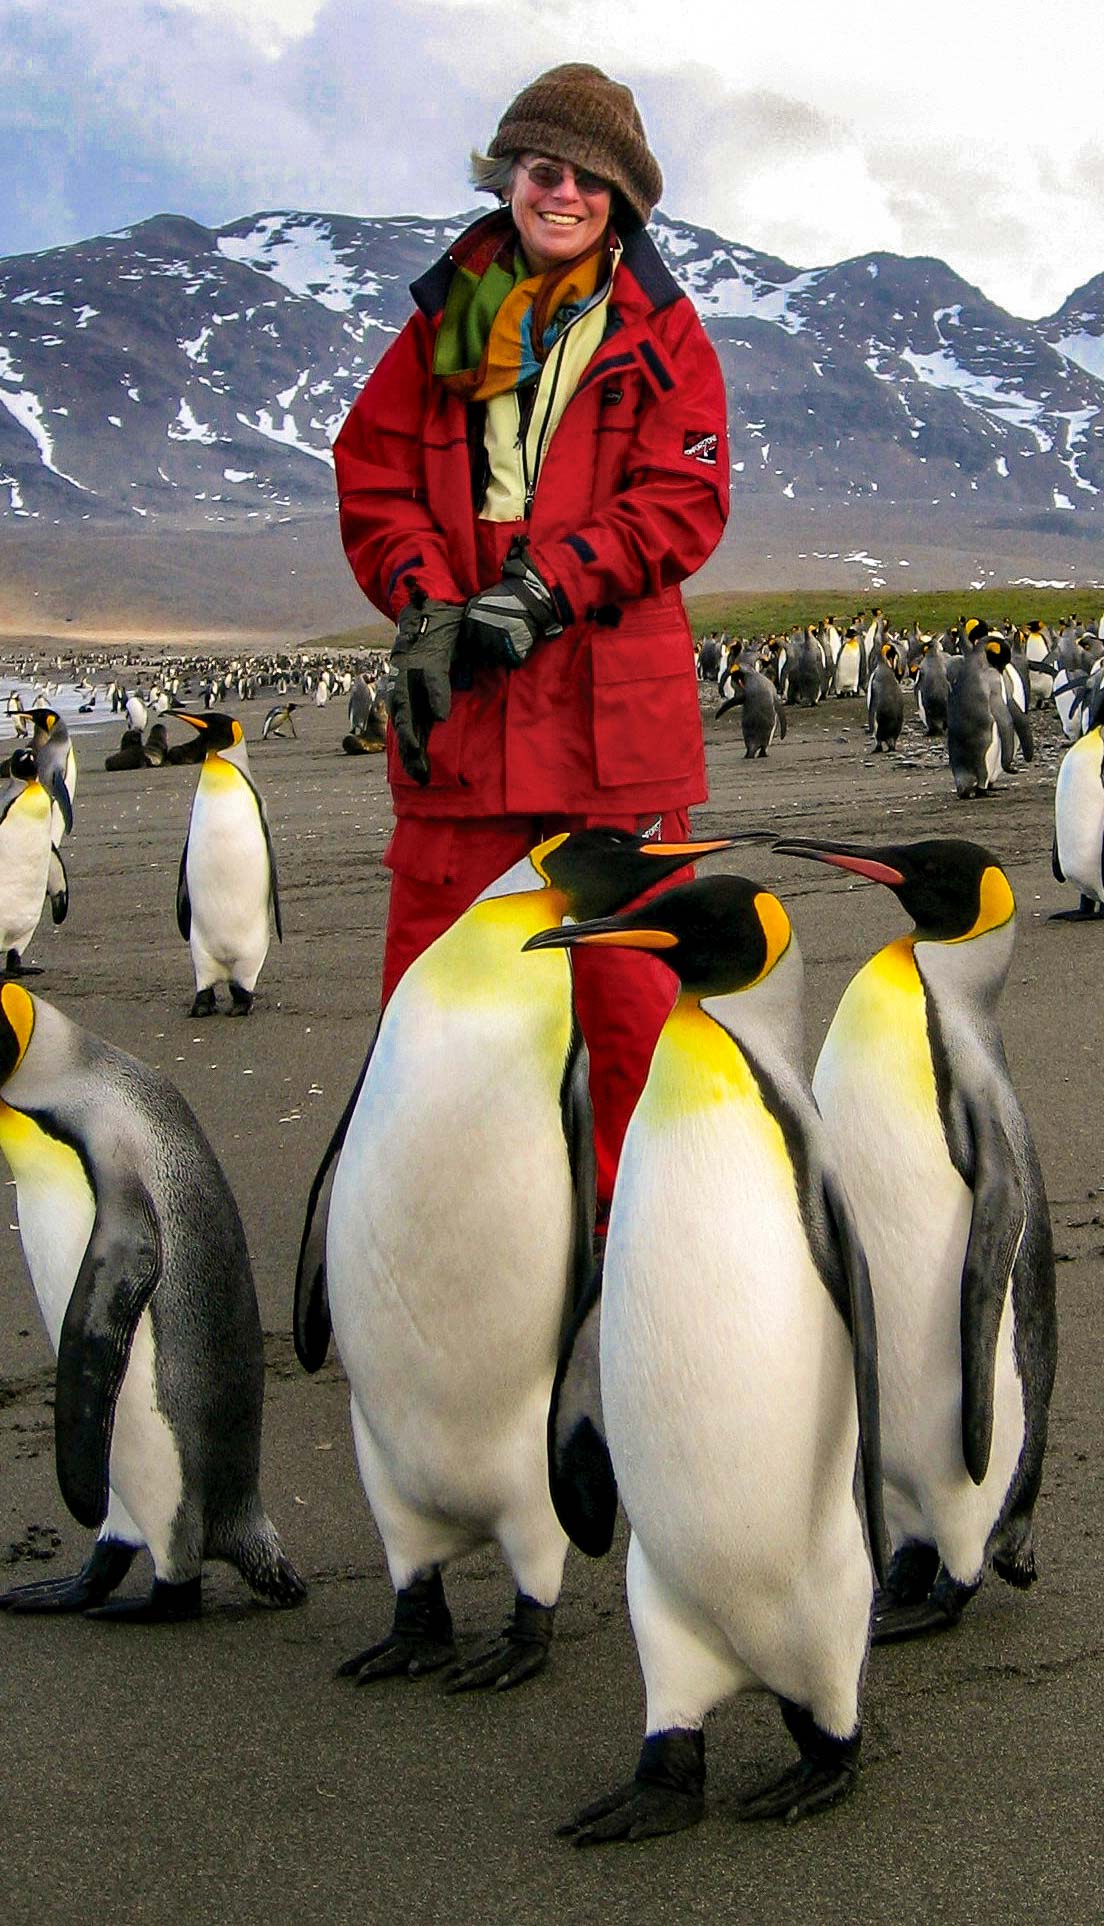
537 855
776 928
996 904
19 1011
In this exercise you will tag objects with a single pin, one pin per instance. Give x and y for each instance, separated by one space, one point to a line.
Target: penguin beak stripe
625 939
842 859
689 850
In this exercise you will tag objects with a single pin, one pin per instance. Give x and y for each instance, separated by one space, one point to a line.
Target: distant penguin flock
823 1406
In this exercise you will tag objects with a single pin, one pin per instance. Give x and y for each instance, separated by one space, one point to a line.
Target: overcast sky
967 129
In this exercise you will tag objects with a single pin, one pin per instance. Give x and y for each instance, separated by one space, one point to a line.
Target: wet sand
215 1771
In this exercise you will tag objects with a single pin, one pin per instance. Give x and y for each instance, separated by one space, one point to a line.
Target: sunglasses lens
549 175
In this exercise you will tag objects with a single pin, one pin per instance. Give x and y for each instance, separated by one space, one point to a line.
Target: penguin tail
265 1566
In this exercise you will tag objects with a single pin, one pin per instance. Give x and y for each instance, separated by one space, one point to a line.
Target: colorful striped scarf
500 321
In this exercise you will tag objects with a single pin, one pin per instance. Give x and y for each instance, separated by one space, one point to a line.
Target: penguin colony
860 1454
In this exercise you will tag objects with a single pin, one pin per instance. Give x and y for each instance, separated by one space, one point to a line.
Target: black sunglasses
549 174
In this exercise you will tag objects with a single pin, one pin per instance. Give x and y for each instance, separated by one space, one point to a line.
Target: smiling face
556 224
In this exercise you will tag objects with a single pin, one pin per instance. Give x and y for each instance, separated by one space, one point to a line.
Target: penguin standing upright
448 1229
1078 854
29 865
763 715
738 1371
932 689
56 763
227 893
955 1225
139 1263
885 705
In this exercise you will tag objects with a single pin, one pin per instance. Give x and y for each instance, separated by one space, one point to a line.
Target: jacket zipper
531 480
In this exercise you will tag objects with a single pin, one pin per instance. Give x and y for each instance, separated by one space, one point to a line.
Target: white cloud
810 132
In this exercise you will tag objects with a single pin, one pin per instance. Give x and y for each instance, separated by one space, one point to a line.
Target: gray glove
423 653
502 623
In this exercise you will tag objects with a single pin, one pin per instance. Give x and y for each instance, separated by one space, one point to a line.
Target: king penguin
956 1227
30 867
738 1372
227 894
139 1263
1078 855
448 1231
56 763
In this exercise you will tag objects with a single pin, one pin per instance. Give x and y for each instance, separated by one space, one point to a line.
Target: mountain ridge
181 377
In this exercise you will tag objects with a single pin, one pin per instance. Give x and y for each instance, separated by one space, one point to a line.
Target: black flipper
580 1471
183 900
273 880
57 886
578 1129
864 1356
997 1225
1021 723
117 1278
311 1326
60 793
1055 865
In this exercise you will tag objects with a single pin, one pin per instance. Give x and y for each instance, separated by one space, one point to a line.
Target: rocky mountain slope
195 377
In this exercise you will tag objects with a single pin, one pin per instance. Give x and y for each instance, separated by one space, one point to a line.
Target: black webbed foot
204 1004
520 1652
666 1794
824 1774
106 1567
420 1639
166 1605
937 1612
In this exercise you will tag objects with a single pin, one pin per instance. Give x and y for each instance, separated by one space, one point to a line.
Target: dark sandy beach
215 1771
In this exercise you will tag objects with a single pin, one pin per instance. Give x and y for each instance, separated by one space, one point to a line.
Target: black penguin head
23 765
219 730
951 889
598 871
45 720
16 1026
719 934
997 652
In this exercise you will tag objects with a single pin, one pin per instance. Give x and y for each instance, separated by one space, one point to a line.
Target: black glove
502 623
422 655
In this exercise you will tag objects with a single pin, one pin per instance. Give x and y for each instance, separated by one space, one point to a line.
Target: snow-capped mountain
177 372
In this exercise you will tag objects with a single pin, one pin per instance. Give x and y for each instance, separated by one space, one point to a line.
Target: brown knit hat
576 113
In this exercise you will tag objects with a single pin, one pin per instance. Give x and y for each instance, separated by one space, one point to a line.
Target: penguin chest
876 1089
450 1221
725 1377
1079 815
992 756
228 867
24 866
56 1208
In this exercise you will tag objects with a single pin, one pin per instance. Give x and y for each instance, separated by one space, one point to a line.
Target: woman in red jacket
536 464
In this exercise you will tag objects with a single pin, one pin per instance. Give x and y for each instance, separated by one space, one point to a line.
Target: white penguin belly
447 1252
228 879
1079 815
913 1213
727 1392
56 1215
24 867
992 756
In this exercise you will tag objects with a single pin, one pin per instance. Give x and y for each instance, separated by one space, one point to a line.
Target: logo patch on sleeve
698 447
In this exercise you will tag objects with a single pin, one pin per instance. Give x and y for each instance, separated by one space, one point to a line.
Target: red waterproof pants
439 867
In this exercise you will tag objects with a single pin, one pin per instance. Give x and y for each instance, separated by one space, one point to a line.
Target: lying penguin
140 1267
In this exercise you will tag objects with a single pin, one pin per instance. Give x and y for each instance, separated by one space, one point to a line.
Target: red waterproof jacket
631 498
